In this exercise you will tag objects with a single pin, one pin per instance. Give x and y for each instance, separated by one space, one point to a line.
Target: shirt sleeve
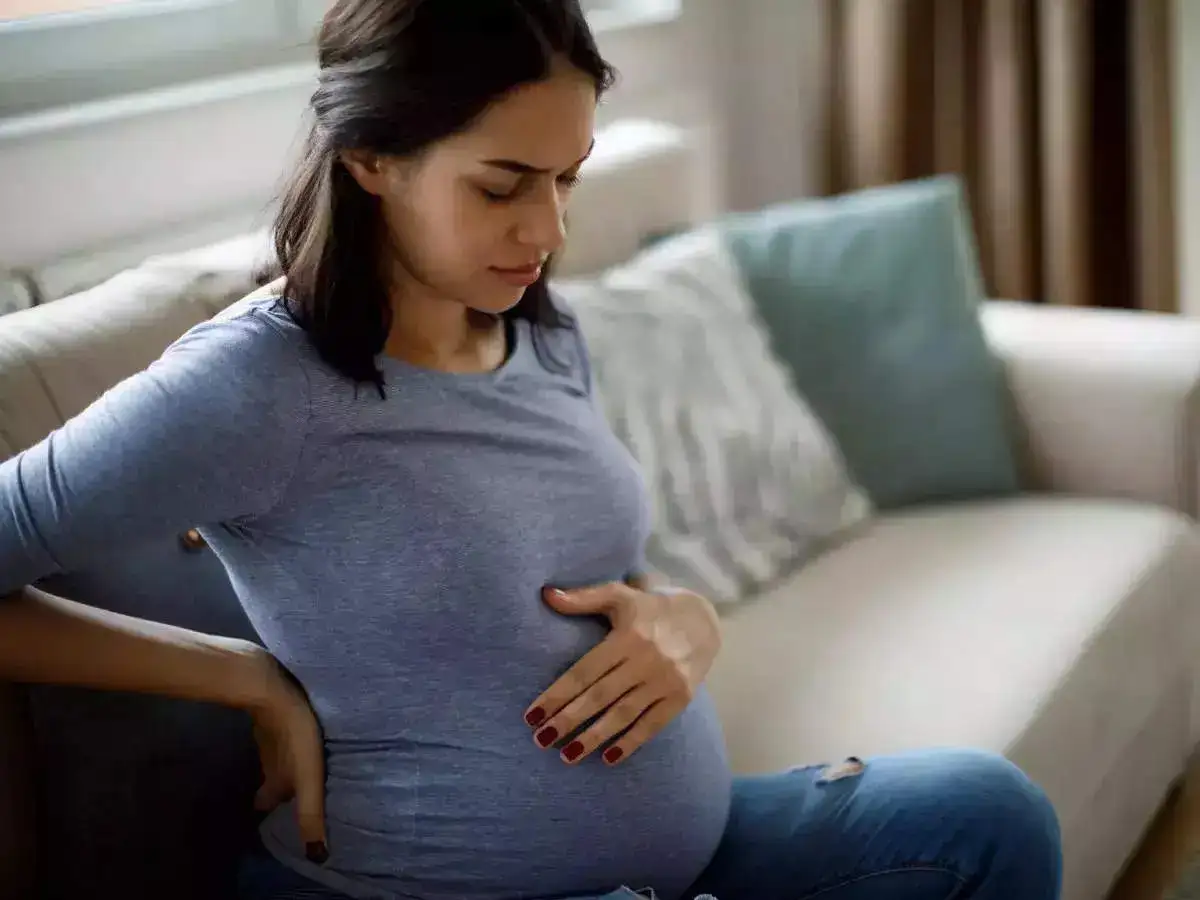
210 433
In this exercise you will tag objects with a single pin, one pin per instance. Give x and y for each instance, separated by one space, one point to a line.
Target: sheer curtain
1056 113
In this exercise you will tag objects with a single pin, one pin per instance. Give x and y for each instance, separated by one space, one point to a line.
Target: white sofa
1059 628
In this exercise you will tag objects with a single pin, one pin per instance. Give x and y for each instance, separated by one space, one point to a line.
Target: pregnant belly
506 820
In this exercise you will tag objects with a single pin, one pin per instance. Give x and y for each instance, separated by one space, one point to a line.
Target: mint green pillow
872 301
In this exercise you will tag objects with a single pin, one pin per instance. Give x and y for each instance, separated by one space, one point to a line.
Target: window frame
614 15
141 33
64 59
117 51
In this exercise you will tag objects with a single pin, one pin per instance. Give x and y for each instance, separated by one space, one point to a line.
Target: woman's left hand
639 678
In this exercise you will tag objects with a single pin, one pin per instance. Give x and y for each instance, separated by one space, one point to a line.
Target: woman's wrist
250 678
698 600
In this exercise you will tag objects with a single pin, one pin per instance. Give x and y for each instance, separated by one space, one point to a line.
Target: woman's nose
542 225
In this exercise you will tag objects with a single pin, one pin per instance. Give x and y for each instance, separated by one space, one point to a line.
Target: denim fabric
929 825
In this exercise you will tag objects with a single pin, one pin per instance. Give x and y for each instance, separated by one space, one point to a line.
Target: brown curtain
1056 113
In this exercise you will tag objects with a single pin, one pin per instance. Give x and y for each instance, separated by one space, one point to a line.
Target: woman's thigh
930 825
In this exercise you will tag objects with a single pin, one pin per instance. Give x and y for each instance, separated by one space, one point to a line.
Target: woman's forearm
49 640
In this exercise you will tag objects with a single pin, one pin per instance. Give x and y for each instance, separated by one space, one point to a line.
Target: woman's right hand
292 752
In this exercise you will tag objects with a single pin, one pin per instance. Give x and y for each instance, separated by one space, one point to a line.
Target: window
63 52
28 9
59 52
631 10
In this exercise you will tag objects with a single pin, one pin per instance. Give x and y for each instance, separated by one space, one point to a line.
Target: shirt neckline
518 337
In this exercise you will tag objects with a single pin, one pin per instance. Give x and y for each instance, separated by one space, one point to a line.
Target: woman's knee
1002 788
1022 825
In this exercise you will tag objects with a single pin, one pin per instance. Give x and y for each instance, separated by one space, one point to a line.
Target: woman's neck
437 333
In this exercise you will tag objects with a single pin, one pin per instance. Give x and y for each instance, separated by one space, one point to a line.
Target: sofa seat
1049 629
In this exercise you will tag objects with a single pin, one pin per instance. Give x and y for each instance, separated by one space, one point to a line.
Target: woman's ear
367 169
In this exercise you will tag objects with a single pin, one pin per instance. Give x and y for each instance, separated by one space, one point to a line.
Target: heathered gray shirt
391 553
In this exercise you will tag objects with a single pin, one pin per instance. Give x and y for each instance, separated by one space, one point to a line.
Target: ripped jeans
930 825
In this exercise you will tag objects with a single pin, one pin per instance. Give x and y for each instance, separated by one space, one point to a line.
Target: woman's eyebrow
522 168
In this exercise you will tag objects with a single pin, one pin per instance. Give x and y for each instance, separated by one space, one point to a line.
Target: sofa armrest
16 797
1107 399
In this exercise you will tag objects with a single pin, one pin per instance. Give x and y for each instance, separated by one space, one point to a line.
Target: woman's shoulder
255 330
262 312
251 351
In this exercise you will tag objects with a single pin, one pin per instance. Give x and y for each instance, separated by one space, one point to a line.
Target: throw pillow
744 481
872 301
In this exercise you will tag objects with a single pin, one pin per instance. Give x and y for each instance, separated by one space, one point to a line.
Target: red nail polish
547 736
573 751
613 754
317 852
535 717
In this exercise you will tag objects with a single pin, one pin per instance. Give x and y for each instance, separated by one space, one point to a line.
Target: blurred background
1073 122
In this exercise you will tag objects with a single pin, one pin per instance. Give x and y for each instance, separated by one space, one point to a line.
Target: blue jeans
931 825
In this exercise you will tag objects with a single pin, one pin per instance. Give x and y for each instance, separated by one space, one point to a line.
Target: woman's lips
522 276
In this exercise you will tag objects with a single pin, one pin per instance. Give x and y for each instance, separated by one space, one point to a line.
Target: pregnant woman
470 690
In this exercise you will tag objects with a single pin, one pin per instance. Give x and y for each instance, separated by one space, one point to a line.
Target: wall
85 177
774 98
1187 150
743 77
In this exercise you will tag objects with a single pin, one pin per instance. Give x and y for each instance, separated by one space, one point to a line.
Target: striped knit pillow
745 482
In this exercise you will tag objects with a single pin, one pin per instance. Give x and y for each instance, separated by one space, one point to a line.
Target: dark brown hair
395 77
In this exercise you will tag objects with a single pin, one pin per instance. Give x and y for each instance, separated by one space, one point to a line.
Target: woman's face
475 216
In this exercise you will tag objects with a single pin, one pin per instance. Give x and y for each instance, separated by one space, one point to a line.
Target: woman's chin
496 302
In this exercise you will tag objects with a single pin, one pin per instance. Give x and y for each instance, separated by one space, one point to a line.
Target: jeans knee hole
850 767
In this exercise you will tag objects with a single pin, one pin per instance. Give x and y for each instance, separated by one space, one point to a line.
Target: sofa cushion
1049 629
744 481
57 358
144 797
1010 596
16 292
872 301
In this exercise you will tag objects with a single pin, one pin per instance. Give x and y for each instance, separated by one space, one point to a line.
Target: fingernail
572 751
547 736
317 852
535 717
556 593
613 754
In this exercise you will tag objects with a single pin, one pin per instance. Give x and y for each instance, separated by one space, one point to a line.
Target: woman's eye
567 181
497 196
